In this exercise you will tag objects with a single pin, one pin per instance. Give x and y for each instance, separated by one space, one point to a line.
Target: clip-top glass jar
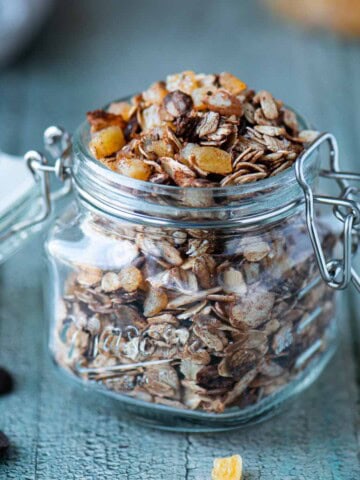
197 308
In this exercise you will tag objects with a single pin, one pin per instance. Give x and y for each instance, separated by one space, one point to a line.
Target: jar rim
119 195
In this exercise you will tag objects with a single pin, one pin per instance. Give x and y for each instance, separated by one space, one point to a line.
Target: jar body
213 327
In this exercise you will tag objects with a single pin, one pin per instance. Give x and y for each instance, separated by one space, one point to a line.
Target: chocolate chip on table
6 382
4 442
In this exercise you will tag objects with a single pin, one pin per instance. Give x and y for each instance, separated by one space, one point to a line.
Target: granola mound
197 130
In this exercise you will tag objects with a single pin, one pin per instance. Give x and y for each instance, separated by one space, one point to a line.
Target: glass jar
197 309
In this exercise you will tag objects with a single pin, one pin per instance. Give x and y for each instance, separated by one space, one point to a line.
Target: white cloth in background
15 180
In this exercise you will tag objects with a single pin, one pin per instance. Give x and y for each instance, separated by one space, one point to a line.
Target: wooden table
89 53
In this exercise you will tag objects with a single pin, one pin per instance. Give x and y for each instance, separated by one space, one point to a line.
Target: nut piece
100 119
130 278
231 83
106 142
155 93
228 468
224 102
133 168
177 103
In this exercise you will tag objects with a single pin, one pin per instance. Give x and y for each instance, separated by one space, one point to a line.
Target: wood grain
89 53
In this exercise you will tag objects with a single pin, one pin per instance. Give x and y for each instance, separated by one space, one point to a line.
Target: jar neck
105 192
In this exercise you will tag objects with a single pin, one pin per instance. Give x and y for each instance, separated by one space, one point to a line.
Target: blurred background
72 56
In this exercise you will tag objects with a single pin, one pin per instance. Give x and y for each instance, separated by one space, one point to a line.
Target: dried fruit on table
227 468
106 142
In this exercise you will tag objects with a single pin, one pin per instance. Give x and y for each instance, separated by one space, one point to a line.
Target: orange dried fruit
184 81
208 159
122 108
228 468
106 142
231 83
133 168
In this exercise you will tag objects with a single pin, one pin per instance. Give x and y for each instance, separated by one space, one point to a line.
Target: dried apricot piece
133 168
122 108
184 81
106 142
230 82
227 468
209 159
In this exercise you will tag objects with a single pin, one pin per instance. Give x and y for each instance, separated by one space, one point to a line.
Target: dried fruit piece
130 278
227 468
106 142
122 108
184 81
209 159
231 83
133 168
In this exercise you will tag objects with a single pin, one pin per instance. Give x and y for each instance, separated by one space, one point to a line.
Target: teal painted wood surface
89 53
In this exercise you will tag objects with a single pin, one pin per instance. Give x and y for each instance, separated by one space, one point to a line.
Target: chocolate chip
4 442
6 382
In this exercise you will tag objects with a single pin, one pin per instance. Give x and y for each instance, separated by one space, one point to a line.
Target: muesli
198 131
197 319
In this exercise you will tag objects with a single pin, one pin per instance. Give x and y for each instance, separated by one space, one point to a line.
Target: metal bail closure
337 273
58 143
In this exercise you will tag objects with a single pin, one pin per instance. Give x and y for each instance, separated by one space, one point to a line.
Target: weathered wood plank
59 431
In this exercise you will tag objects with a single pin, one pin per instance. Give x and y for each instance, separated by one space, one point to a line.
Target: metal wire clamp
58 144
337 273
